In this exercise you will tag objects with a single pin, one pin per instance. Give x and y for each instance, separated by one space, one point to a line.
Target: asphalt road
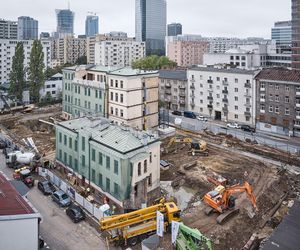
220 127
58 231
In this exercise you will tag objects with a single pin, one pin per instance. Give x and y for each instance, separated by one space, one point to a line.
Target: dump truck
131 228
191 239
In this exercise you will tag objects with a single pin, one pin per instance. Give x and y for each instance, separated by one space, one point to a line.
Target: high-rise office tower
282 34
150 24
27 28
174 29
8 29
91 26
296 34
65 23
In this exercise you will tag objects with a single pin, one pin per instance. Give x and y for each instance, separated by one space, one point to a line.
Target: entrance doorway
218 115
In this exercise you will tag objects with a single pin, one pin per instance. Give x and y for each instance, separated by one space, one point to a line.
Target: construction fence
93 209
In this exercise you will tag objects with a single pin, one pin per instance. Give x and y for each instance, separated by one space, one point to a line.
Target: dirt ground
269 184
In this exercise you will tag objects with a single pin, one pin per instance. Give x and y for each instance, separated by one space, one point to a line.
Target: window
139 169
236 116
236 107
262 107
277 110
89 92
116 97
107 162
271 97
117 85
111 110
83 160
85 91
287 88
151 155
121 113
107 185
83 143
150 180
262 85
60 137
100 158
236 90
78 89
60 154
277 98
65 158
116 112
65 140
76 145
111 96
236 98
236 80
111 82
287 111
145 166
121 84
70 143
218 95
270 109
75 164
100 181
287 99
276 87
96 93
121 98
218 79
100 94
93 175
93 154
116 189
116 167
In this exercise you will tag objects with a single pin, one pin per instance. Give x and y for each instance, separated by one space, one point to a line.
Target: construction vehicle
221 200
191 239
131 228
16 158
24 174
197 147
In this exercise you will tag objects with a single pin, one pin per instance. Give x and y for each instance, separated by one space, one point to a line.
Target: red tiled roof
279 74
11 202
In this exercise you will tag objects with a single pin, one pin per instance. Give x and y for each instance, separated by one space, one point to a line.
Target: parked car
248 128
61 198
202 118
177 112
189 114
75 213
233 125
46 187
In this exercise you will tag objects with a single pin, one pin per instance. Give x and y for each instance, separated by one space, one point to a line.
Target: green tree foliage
36 73
154 62
17 74
81 60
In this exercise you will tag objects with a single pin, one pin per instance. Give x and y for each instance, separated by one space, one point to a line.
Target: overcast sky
231 18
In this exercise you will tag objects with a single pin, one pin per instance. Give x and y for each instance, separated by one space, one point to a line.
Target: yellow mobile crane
131 228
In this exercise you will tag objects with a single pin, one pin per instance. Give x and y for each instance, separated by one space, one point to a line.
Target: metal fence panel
98 213
88 206
79 199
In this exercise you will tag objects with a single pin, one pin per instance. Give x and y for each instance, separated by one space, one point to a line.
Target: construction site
190 174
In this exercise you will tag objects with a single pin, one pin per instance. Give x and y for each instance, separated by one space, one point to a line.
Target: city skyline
196 17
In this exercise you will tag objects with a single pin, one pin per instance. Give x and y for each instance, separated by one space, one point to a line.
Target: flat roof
173 74
222 70
11 202
117 137
286 235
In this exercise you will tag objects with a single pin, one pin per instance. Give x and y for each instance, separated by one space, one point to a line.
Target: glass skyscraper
91 26
150 24
296 34
174 29
27 28
65 23
282 34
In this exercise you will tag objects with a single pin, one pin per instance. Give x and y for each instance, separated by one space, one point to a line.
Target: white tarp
159 224
175 228
79 199
64 186
88 206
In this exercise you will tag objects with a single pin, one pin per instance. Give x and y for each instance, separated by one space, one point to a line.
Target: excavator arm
246 187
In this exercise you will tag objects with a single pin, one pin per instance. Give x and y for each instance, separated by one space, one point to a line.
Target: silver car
61 198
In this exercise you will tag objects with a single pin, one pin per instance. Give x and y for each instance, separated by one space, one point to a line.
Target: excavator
191 239
197 147
131 228
221 200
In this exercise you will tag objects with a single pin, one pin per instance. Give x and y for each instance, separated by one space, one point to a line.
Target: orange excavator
221 200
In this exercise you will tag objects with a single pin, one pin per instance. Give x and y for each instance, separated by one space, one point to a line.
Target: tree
81 60
17 74
36 73
154 62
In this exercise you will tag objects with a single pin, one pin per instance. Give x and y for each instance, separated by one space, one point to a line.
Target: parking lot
57 229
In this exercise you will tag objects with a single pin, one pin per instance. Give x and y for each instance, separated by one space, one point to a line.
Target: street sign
159 224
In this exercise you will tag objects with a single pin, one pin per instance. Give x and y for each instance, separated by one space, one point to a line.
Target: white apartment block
52 87
67 50
7 51
118 53
223 94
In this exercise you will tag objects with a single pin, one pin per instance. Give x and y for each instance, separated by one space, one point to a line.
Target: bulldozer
196 147
221 200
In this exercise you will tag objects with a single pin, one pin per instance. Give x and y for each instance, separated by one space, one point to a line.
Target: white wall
54 86
19 234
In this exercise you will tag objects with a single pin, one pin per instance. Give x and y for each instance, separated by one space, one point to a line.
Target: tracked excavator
197 147
221 200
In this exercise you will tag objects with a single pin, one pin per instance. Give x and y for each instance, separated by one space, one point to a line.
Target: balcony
192 95
225 91
225 100
298 117
247 85
210 81
262 89
247 113
210 90
297 105
192 79
262 111
210 106
168 85
182 87
248 105
168 92
182 94
247 95
262 100
225 83
181 102
297 125
192 86
192 104
210 98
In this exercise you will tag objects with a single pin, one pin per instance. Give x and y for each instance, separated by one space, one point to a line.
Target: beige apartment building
67 50
187 53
